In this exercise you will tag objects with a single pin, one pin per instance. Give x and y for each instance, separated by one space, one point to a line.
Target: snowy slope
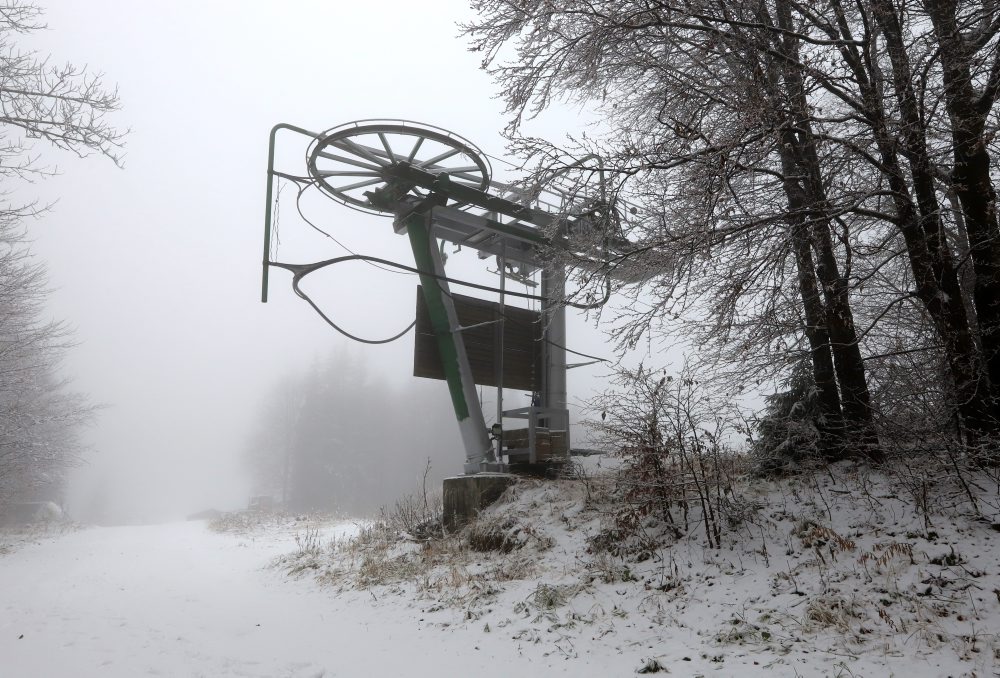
835 574
180 600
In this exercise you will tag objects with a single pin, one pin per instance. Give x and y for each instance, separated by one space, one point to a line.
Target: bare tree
65 105
39 416
791 163
67 108
717 130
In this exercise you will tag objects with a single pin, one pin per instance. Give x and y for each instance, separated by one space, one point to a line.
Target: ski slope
180 600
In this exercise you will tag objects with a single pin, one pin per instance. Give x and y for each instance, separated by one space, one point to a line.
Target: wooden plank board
522 343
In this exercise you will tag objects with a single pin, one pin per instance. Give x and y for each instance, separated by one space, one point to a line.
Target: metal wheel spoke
360 184
350 146
388 149
416 147
457 171
325 173
347 161
436 159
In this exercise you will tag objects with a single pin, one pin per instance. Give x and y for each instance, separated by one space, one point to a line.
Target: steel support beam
553 349
444 320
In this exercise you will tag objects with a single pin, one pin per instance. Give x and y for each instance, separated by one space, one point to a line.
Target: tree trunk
824 374
801 148
933 266
971 177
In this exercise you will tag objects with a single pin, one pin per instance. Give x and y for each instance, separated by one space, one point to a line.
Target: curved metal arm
269 196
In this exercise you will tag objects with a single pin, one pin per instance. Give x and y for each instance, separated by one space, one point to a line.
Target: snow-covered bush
678 466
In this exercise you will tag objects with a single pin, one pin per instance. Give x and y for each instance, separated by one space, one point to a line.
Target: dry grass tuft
834 611
503 533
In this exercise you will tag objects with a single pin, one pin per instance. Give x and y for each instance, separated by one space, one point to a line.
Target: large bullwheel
349 162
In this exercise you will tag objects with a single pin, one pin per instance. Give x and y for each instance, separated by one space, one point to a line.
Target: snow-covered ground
180 600
829 573
834 575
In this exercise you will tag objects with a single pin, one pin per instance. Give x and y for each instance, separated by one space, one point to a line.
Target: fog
157 266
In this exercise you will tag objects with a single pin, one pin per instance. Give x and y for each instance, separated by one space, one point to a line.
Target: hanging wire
324 316
298 207
299 271
305 183
515 321
275 243
532 299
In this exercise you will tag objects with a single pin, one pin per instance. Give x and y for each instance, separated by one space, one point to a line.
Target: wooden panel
548 444
522 345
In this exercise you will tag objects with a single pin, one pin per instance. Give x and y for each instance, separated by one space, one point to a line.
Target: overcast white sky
157 266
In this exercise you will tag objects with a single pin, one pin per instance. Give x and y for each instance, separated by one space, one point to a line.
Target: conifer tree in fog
337 437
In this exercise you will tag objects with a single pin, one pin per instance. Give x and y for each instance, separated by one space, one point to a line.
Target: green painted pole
458 373
421 244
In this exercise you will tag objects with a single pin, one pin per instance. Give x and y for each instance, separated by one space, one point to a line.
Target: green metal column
451 347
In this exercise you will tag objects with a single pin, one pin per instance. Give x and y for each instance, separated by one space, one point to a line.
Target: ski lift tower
437 186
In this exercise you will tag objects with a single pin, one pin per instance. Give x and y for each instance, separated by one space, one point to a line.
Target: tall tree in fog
38 416
336 445
67 107
811 181
268 455
338 438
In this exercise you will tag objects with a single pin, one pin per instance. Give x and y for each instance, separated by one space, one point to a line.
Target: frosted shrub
677 468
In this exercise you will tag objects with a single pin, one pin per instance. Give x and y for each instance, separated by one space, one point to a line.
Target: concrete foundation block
466 496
